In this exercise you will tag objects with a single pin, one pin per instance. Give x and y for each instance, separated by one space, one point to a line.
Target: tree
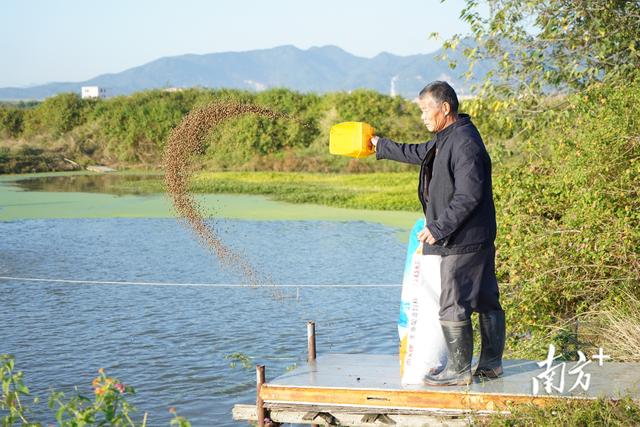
11 121
57 114
545 46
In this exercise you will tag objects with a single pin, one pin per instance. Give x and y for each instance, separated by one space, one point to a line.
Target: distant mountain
318 69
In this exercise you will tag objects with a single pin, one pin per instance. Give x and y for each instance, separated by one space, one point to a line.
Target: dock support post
311 341
259 402
311 345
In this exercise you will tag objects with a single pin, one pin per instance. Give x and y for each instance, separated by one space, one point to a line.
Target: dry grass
616 328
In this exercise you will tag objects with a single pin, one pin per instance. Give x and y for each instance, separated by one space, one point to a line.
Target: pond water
174 342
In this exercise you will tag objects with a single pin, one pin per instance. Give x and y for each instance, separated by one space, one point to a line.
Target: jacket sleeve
469 178
405 153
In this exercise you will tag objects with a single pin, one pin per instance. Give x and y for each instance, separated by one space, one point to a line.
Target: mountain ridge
316 69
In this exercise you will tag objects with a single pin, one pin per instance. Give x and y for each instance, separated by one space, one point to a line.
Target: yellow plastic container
351 139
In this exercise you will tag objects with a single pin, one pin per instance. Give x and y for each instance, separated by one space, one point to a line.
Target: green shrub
56 115
569 215
134 128
109 405
11 121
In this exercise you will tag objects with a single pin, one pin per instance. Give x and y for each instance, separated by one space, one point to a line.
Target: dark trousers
468 284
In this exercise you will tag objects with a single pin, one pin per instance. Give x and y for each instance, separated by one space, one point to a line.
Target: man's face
434 115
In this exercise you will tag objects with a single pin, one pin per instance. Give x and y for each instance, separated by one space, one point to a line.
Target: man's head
439 104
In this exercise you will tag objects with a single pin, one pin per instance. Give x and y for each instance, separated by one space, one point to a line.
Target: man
455 191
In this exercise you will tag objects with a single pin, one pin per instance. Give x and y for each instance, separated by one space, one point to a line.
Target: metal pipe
259 402
311 341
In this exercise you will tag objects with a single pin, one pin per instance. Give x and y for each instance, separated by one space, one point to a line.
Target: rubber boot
492 333
459 338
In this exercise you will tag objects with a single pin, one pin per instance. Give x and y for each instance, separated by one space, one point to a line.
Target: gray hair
441 92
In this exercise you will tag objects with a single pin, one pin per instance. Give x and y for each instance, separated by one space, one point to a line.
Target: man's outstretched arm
405 153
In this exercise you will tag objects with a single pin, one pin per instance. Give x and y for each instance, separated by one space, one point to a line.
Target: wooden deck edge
409 408
328 416
403 399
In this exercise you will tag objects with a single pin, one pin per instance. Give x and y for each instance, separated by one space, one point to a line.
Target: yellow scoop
351 139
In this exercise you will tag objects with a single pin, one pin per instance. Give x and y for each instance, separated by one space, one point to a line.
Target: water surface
170 342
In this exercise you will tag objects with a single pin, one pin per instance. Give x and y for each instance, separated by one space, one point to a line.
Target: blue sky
73 40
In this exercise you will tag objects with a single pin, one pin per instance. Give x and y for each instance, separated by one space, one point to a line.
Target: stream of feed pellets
186 142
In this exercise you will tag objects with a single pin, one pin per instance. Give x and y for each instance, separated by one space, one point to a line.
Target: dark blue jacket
454 186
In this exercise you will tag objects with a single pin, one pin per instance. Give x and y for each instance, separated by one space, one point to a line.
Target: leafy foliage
569 234
108 407
11 122
134 128
56 115
540 47
243 359
13 388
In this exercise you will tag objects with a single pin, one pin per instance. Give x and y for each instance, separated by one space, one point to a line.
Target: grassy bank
600 412
383 191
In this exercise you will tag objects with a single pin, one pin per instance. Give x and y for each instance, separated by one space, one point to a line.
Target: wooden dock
365 390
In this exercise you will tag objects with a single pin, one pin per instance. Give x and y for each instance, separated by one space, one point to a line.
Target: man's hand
373 143
425 236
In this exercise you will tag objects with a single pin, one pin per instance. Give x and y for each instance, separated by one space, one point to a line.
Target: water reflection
110 183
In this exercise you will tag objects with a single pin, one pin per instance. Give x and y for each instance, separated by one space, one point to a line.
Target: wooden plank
397 398
296 415
365 410
242 412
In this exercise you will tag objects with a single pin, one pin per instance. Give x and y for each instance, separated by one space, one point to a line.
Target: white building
93 92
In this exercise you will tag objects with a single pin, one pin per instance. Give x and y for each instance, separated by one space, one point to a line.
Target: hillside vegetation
132 130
